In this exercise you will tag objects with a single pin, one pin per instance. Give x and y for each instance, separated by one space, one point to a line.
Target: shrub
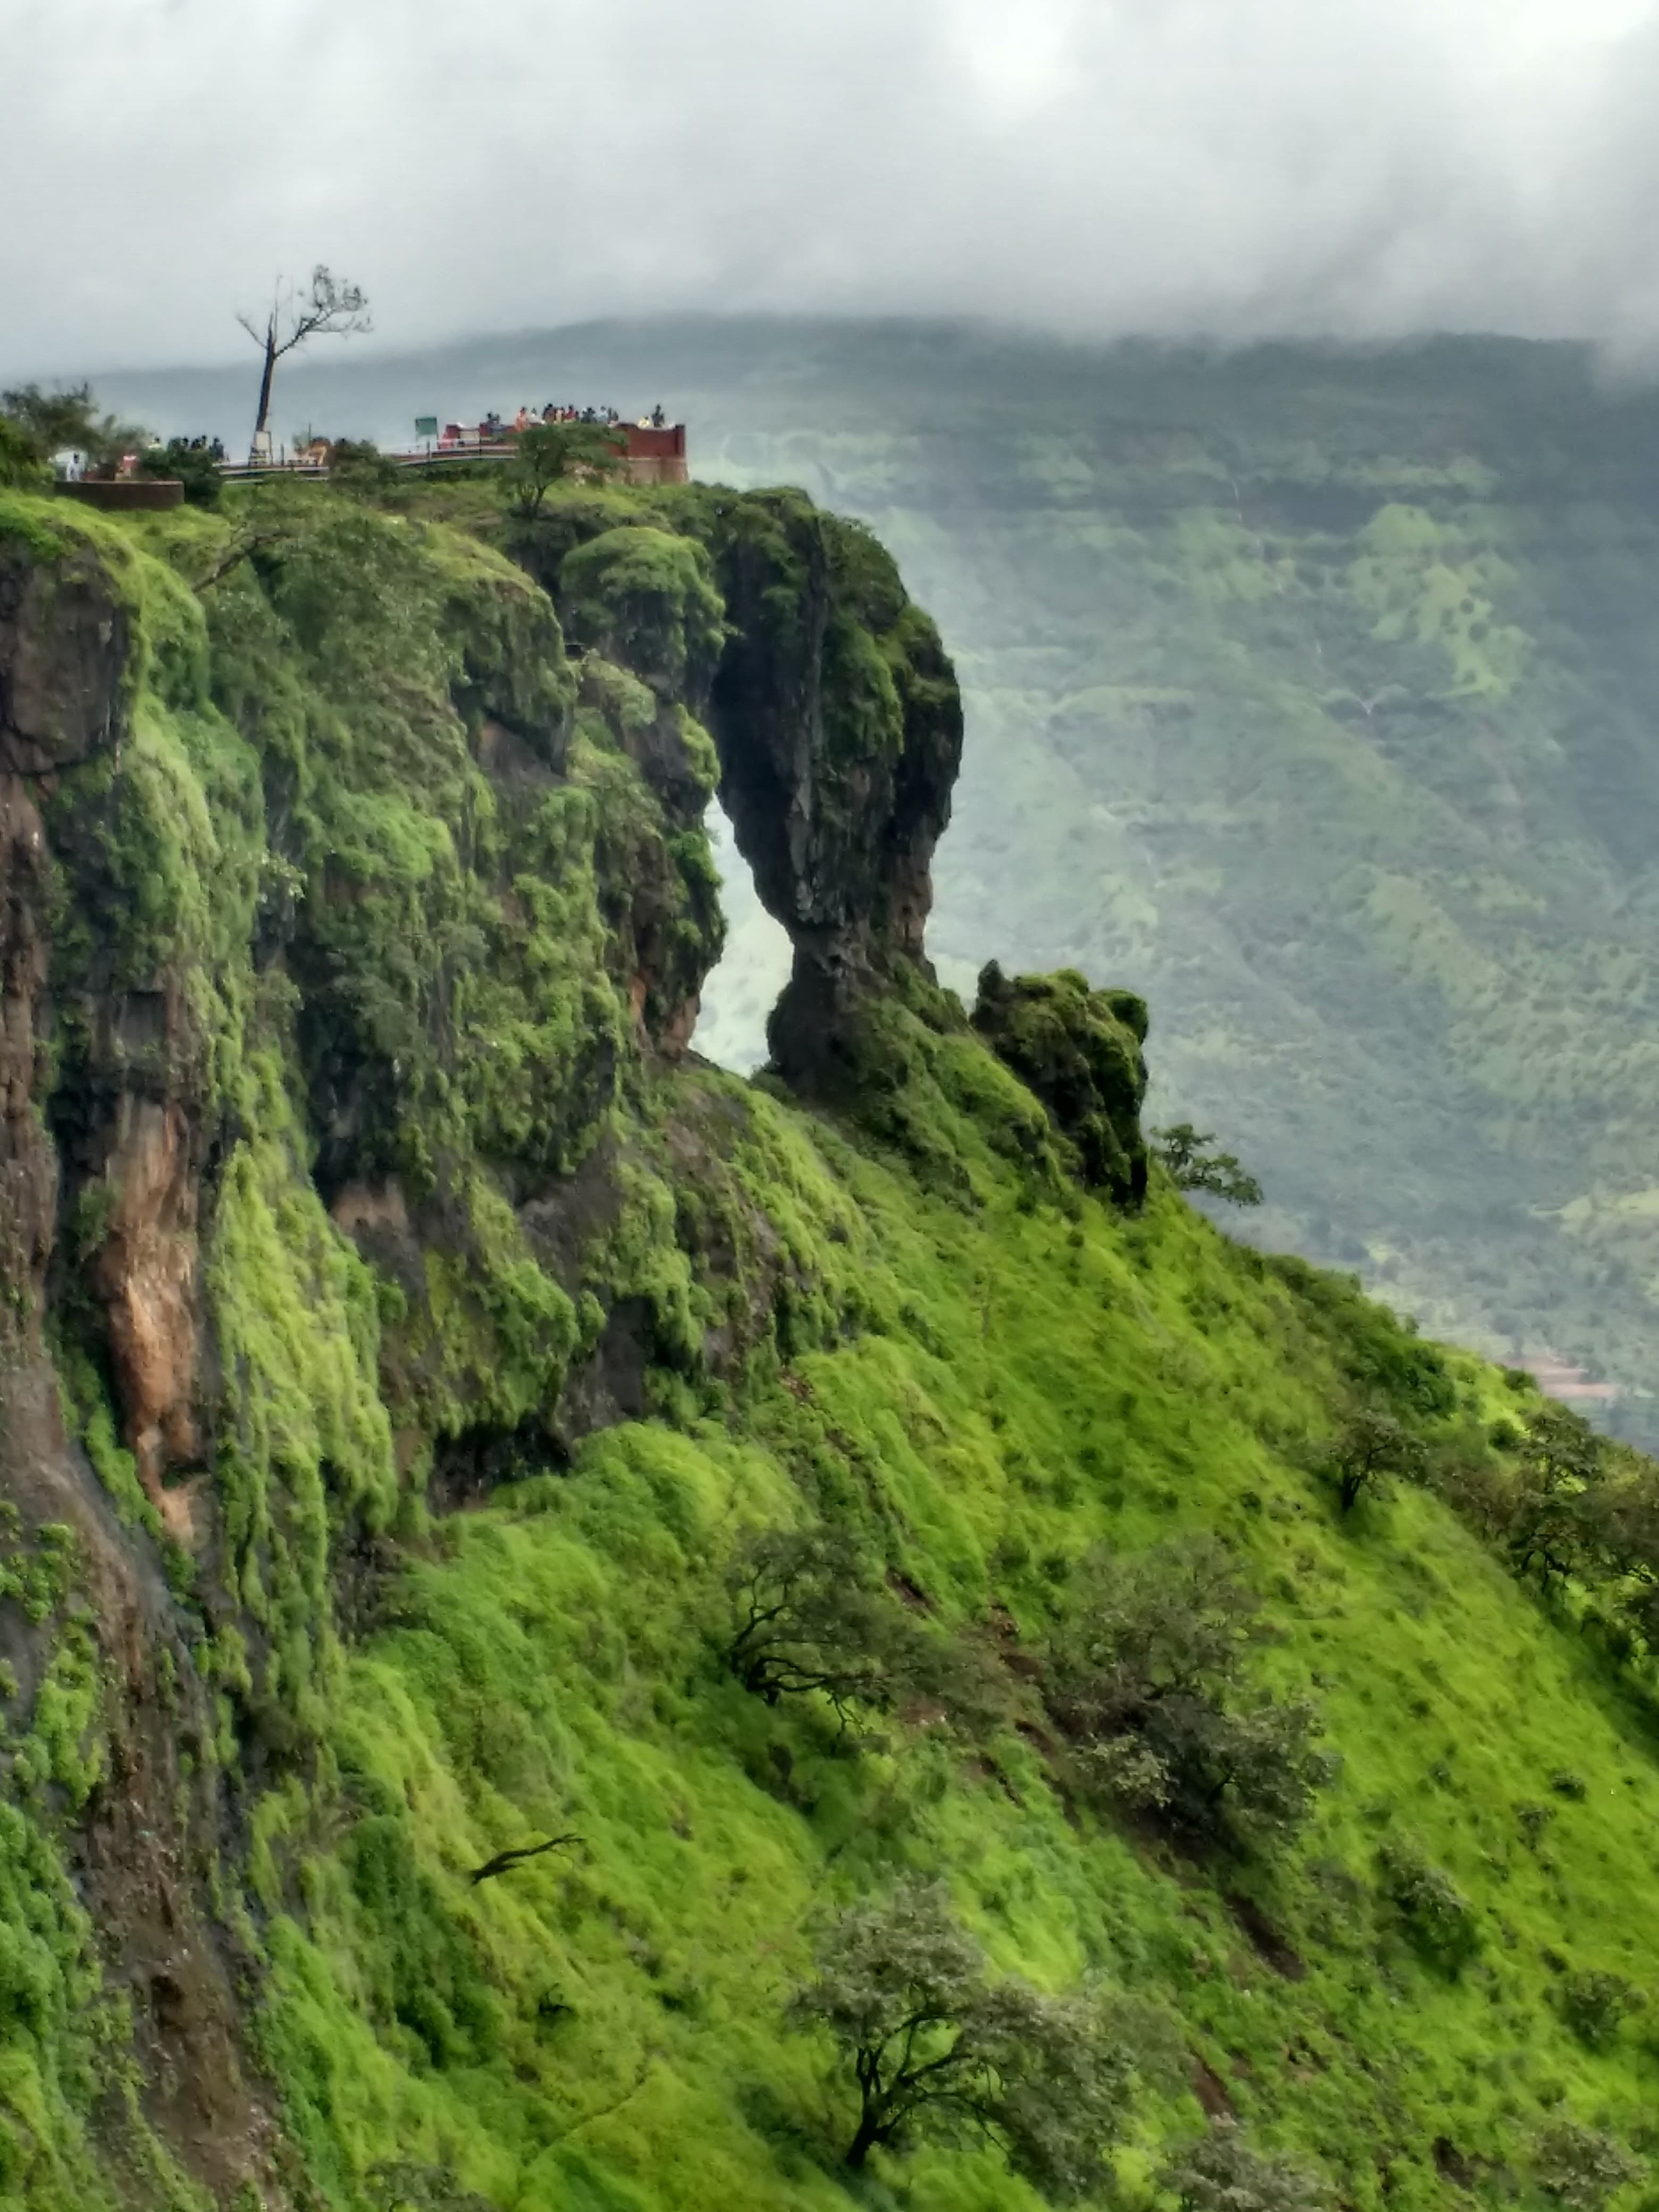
401 2185
1439 1917
1151 1685
358 465
1582 2167
937 2049
1534 1819
1595 2005
193 465
1221 2173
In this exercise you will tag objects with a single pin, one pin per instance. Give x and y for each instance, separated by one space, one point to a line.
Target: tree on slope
1555 1515
938 2050
1151 1683
812 1614
1187 1153
1220 2172
1369 1447
330 309
41 423
547 451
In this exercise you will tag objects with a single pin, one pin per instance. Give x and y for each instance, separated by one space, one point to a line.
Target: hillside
412 1355
1311 689
1317 695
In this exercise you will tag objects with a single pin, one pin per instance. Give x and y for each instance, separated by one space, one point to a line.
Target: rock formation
1080 1051
839 726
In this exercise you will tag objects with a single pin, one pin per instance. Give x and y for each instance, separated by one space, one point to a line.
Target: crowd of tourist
554 412
495 429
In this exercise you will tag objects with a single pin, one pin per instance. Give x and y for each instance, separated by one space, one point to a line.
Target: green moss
1079 1050
305 1443
64 1749
646 599
489 1341
51 2025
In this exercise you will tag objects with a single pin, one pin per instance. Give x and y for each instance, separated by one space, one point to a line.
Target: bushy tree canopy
1369 1447
812 1614
938 2049
547 451
1152 1684
21 466
1220 2172
1193 1165
44 422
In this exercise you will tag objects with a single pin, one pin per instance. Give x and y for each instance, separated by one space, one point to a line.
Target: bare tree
331 308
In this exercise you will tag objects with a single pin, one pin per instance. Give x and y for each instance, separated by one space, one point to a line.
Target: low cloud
1091 167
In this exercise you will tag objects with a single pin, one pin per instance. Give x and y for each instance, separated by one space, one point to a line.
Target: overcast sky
1222 166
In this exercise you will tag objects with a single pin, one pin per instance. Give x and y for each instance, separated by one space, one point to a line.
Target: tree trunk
263 415
869 2134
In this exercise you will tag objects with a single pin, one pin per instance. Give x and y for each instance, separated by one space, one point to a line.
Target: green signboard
426 426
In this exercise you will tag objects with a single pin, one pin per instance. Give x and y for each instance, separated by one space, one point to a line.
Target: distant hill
1313 693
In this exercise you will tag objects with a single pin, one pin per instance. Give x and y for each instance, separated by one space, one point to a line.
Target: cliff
406 1341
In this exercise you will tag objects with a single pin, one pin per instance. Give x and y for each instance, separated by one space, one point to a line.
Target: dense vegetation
684 1610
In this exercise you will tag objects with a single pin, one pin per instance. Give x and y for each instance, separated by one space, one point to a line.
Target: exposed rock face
146 1272
65 642
643 603
29 1163
838 727
103 1187
64 639
1080 1051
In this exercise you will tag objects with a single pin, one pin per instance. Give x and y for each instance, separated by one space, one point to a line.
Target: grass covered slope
1024 1386
499 1335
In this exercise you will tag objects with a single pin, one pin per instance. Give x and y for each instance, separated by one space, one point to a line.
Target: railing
655 444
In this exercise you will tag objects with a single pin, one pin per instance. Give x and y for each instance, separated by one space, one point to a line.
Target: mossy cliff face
348 923
405 1339
840 732
834 714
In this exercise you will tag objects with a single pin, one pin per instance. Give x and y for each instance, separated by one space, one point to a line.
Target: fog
1225 168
